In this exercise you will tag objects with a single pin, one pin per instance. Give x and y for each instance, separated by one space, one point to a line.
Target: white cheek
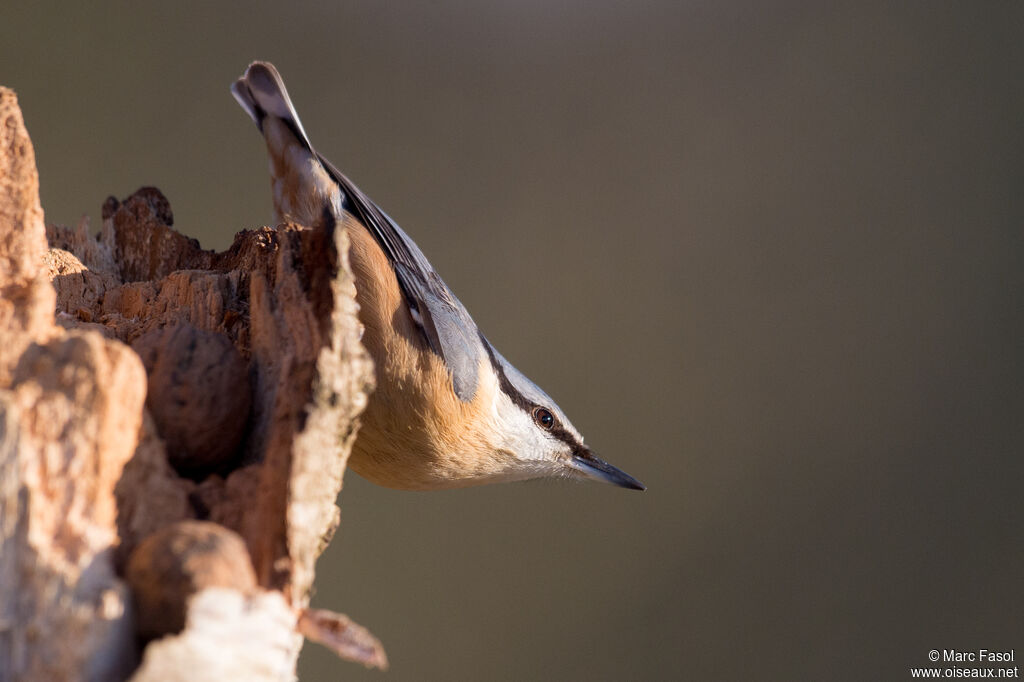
520 435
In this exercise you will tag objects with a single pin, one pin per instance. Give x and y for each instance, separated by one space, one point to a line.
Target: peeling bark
256 378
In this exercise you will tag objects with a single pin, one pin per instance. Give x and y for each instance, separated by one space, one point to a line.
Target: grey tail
261 92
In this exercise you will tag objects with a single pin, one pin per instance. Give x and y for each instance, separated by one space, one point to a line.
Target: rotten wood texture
256 379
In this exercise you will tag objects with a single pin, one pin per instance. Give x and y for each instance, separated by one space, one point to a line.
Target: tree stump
174 426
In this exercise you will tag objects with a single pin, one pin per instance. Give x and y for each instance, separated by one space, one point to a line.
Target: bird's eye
545 419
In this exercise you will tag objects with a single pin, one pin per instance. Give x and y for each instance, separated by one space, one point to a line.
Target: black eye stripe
520 401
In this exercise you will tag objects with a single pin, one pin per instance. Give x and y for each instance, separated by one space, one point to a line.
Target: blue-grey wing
449 329
444 321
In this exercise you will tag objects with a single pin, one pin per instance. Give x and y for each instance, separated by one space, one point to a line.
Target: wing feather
447 325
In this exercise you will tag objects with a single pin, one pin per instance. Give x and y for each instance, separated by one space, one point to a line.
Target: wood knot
177 561
199 395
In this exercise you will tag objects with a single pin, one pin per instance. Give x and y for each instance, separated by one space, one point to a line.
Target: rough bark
210 496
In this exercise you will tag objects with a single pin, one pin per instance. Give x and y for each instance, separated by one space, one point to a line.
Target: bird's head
538 436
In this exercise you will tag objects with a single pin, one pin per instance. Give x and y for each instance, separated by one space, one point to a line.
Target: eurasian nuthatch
448 411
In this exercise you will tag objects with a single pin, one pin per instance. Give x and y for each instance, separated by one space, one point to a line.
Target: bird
448 410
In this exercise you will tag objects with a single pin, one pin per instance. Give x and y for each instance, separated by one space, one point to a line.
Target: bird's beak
589 466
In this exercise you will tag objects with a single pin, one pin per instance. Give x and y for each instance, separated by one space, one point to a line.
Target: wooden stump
255 378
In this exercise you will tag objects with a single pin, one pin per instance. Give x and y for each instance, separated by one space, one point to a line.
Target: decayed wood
256 378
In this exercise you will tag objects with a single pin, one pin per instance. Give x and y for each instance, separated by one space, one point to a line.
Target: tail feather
260 91
301 186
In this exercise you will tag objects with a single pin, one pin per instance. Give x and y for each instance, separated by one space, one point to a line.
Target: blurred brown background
768 256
